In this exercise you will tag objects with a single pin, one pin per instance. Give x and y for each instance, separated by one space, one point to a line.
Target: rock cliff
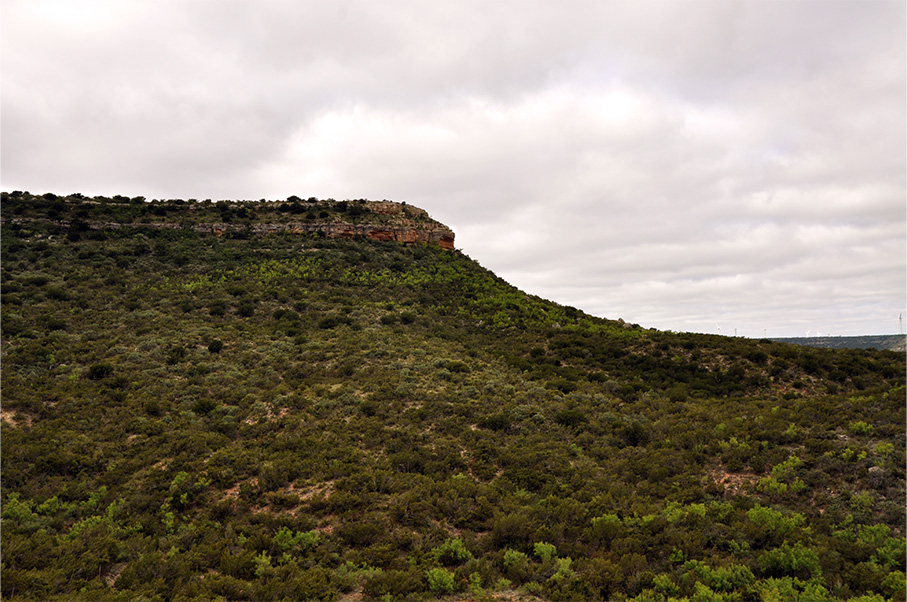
373 220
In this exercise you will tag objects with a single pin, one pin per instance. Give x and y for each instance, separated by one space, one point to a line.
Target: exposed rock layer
395 222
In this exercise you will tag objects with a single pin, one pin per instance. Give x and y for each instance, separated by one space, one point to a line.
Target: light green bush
440 581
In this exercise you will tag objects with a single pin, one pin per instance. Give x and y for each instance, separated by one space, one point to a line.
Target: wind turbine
718 326
807 333
901 323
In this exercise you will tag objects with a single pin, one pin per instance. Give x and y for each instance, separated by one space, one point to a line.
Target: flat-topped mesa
372 220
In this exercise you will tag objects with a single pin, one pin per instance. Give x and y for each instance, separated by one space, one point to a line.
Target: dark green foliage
246 308
247 417
396 585
497 422
570 418
99 371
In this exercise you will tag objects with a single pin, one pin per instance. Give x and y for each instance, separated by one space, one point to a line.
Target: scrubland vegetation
287 417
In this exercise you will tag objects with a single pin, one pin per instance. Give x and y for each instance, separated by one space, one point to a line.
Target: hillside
892 342
258 413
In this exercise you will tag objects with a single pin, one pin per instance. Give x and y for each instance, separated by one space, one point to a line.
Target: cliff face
373 220
404 234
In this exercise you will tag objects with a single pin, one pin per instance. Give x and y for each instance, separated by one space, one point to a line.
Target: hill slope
892 342
187 415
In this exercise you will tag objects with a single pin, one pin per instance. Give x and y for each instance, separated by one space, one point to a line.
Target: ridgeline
231 401
892 342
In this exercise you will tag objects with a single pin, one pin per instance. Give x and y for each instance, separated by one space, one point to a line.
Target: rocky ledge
371 220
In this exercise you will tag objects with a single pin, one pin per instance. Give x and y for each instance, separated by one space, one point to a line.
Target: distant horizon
844 336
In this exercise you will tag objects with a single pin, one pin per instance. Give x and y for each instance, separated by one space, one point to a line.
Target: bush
456 366
440 581
794 561
99 371
514 558
860 428
545 551
204 406
333 321
635 434
176 354
570 418
452 552
496 422
397 585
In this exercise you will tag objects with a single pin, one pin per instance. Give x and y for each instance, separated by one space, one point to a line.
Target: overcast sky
687 165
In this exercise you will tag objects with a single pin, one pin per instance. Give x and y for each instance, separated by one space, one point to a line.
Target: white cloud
669 163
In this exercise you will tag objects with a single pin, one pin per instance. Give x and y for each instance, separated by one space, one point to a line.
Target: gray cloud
675 164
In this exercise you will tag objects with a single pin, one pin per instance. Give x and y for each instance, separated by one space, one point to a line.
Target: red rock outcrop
392 222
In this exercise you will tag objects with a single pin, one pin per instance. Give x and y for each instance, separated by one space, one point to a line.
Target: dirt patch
733 482
15 419
114 573
307 493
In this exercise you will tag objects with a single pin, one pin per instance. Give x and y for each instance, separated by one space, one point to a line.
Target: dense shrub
396 585
99 371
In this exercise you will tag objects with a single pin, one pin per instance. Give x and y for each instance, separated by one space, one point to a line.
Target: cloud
668 163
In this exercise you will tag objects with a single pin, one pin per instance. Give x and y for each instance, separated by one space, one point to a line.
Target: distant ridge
891 342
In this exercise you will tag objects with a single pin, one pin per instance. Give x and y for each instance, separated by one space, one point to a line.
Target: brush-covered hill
259 413
893 342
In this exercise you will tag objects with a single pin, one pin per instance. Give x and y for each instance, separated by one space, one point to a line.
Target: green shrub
176 354
452 552
606 527
496 422
545 551
99 371
440 581
456 366
514 558
286 539
570 418
204 406
794 561
316 583
860 428
393 584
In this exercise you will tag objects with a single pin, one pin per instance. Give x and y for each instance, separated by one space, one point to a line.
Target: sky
719 166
